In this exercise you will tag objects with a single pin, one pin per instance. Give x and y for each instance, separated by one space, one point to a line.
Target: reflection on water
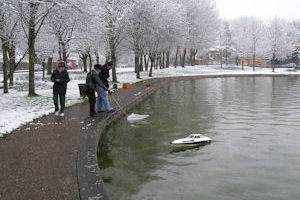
254 124
196 147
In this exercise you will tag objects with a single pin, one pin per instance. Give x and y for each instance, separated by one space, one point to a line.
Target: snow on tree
280 42
226 44
4 36
249 38
154 22
113 15
45 49
202 25
33 15
240 38
170 20
256 37
139 21
62 22
10 30
296 52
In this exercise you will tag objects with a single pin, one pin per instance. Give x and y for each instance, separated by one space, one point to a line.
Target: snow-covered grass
16 108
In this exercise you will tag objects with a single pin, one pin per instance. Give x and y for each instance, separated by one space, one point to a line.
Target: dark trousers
62 100
92 100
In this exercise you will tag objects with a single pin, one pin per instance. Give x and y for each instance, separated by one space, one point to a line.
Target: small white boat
136 117
192 139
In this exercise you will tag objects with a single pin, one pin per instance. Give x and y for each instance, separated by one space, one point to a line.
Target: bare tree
280 42
114 19
33 15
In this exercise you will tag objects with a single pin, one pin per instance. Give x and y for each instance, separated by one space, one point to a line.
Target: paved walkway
55 158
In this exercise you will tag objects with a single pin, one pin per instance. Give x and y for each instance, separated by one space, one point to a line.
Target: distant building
258 62
212 57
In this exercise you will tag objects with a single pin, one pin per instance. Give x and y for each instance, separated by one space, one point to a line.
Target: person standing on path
103 94
60 77
93 83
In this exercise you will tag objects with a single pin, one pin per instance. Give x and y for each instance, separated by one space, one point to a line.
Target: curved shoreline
91 176
56 158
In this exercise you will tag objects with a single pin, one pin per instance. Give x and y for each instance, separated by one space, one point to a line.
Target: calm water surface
254 124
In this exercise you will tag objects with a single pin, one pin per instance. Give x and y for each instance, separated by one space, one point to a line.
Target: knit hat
110 63
61 64
97 66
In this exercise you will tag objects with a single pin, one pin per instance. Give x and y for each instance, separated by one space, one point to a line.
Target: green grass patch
3 137
34 95
82 101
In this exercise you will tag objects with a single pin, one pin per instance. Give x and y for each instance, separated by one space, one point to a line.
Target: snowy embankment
16 108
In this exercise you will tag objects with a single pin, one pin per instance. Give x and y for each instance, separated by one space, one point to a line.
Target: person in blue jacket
103 94
93 84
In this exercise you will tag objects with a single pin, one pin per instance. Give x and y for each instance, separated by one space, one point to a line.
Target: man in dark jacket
93 82
102 94
60 77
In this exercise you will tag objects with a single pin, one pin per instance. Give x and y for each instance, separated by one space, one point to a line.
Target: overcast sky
264 9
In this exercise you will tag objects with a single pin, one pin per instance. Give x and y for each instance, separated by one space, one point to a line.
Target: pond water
254 124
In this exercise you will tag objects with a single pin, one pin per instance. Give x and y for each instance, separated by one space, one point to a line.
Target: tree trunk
136 63
64 53
237 61
163 59
254 52
273 62
113 59
84 61
49 65
160 60
183 58
12 63
43 64
176 57
146 61
107 57
31 48
20 60
168 59
193 53
156 61
141 62
226 56
5 65
152 59
97 57
253 61
221 59
194 57
90 61
191 56
59 49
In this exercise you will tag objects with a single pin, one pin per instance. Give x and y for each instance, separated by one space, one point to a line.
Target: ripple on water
254 124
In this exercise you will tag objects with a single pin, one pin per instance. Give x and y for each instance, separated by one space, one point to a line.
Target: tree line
158 33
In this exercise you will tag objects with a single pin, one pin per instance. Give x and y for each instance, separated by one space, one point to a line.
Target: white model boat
136 117
192 139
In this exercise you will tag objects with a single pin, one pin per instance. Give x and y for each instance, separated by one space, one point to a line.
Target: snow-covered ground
16 108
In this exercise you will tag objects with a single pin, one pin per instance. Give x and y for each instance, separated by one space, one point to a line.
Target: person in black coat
60 77
93 82
104 75
102 94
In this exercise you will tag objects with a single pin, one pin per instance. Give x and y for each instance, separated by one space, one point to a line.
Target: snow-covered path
16 108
